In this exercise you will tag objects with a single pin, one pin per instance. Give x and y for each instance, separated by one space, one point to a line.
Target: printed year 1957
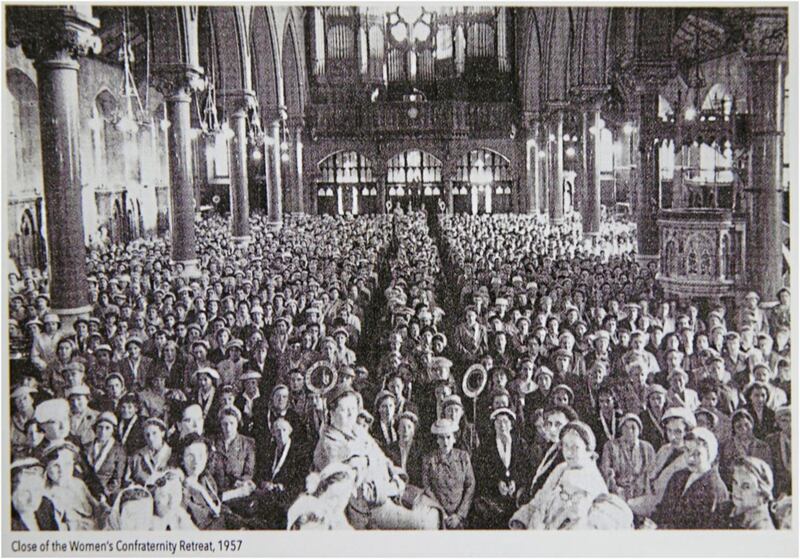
230 545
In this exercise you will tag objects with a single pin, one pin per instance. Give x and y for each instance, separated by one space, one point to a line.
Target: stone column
538 167
647 191
239 104
765 45
237 146
591 209
54 38
555 179
301 193
177 82
275 211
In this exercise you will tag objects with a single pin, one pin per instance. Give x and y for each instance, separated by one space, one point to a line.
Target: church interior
421 172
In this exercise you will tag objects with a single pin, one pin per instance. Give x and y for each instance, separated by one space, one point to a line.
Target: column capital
239 100
530 119
53 33
766 34
650 76
589 97
179 80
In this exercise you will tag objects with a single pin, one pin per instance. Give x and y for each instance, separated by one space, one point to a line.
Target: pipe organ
410 47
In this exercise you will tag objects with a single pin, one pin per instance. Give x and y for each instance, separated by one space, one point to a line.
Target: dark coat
292 474
450 480
492 505
178 375
111 470
146 367
45 517
766 426
413 462
652 432
782 470
597 427
247 426
238 462
134 440
695 509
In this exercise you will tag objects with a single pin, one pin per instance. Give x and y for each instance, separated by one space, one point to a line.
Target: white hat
79 390
22 390
254 375
501 411
443 427
52 410
680 413
710 439
206 371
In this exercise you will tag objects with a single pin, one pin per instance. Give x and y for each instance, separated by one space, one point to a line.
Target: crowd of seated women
324 375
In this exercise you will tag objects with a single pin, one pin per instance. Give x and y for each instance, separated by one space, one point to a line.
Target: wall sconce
552 137
628 128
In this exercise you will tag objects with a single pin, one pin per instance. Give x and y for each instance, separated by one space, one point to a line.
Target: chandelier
133 115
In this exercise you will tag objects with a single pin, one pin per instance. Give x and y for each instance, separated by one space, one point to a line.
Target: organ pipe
319 42
502 41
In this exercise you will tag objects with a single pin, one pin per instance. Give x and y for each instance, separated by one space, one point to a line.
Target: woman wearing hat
45 342
154 457
467 436
232 367
106 456
132 510
540 397
670 458
22 411
743 442
378 481
570 488
129 431
54 375
654 406
200 494
502 470
605 419
678 395
407 452
757 395
751 497
31 509
587 388
627 460
695 494
135 367
205 395
170 514
384 428
447 475
238 453
75 507
781 451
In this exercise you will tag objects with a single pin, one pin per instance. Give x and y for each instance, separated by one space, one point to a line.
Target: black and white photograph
398 266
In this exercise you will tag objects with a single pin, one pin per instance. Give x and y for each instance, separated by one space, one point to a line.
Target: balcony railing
439 118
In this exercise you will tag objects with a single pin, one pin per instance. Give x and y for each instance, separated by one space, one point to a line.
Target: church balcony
702 252
437 119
